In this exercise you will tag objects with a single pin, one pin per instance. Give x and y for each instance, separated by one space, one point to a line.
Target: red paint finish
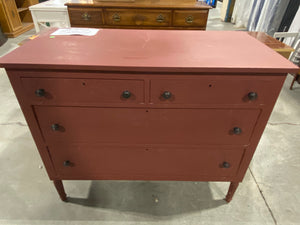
149 163
83 91
85 128
146 126
232 188
60 189
213 90
151 50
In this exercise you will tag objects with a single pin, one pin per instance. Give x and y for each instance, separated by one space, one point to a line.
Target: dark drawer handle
252 96
189 19
86 16
226 165
160 18
67 163
126 94
55 127
237 130
40 92
116 17
167 95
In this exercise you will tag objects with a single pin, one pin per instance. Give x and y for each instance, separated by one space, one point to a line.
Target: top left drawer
82 92
85 17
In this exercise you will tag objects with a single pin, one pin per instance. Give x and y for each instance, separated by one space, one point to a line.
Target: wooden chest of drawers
147 14
147 104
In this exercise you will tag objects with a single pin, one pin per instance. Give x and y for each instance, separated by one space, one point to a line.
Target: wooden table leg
295 78
60 189
232 188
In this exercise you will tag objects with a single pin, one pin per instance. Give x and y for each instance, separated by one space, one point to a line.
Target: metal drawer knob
116 17
167 95
237 130
252 96
226 165
67 163
160 18
40 92
85 16
189 19
126 94
55 127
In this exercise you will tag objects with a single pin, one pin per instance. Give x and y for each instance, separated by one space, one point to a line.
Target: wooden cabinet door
12 15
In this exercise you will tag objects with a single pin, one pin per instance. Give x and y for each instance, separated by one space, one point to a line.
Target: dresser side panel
33 125
259 129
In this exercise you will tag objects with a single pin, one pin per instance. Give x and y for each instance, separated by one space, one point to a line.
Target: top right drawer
216 90
190 18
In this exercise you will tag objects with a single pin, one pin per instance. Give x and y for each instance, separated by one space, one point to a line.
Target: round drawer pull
86 16
160 18
67 163
226 165
167 95
252 96
189 19
116 17
55 127
126 94
237 130
40 92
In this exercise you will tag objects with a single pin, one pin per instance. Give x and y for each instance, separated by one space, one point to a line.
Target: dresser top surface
140 3
150 51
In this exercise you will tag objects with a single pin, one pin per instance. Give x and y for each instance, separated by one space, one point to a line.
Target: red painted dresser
147 104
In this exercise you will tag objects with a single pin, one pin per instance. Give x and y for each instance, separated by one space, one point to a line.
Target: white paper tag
76 31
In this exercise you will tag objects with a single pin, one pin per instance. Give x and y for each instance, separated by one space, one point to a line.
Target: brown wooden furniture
276 45
147 104
146 14
15 17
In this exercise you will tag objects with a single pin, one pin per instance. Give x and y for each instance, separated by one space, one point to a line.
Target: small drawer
214 90
63 91
190 18
85 17
137 17
152 163
43 15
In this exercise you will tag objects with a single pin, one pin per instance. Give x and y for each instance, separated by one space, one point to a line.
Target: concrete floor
269 194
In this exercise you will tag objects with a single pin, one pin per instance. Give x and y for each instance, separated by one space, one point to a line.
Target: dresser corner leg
232 188
60 189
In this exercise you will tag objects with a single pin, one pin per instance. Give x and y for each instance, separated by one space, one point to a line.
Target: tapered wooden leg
296 77
292 84
232 188
60 189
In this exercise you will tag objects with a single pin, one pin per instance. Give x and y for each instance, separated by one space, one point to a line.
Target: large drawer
214 90
85 16
135 163
137 17
186 18
146 126
62 91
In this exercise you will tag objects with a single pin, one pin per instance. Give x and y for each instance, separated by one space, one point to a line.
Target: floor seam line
260 191
284 123
14 123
